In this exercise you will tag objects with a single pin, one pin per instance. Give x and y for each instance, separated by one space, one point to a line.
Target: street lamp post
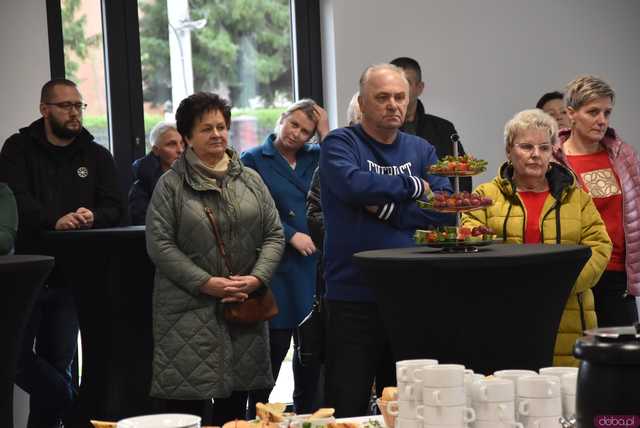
180 27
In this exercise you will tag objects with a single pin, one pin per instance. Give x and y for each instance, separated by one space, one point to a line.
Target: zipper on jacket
553 207
581 308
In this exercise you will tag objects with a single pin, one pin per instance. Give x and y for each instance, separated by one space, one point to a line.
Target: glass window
84 62
240 49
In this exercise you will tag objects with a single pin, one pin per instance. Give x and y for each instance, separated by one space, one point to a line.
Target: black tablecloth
112 280
496 309
20 279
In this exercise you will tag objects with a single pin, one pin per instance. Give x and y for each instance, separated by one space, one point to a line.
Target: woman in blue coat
286 162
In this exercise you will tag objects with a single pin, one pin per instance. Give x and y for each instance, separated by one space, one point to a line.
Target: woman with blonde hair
538 201
286 161
609 170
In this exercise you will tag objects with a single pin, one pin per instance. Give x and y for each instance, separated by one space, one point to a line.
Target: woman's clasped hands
235 288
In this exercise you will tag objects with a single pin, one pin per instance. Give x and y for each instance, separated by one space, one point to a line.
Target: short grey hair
530 119
364 77
584 89
159 130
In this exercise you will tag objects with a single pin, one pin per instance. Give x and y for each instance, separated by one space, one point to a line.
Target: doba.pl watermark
622 421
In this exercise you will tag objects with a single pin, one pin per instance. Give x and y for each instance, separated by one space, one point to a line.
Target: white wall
24 49
483 61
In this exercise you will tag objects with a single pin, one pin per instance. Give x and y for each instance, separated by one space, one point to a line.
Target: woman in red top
609 170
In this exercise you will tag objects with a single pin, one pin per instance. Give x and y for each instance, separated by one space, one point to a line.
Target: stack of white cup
443 397
539 401
469 379
409 392
493 399
513 375
567 386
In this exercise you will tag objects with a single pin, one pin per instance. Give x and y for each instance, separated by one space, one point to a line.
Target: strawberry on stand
454 235
458 165
463 201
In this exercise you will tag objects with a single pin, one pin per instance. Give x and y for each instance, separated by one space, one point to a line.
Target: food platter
458 166
458 209
460 246
456 173
456 239
456 202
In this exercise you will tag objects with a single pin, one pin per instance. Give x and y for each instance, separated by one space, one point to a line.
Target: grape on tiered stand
455 202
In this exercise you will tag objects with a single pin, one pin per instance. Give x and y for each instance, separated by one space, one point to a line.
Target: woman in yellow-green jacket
537 201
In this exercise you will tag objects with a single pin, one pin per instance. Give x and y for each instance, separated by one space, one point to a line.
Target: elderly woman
538 201
609 170
553 104
198 355
286 161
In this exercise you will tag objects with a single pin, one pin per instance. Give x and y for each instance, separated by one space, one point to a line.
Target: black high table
20 279
495 309
112 281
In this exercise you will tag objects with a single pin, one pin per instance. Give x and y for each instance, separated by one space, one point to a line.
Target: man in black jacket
434 129
62 180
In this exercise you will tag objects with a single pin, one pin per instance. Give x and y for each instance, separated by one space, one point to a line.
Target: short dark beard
60 131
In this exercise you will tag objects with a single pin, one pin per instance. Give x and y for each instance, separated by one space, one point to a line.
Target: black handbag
311 330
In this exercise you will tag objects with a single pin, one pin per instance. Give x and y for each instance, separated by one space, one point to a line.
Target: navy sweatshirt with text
356 171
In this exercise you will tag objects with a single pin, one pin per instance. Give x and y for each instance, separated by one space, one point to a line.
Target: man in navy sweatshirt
371 174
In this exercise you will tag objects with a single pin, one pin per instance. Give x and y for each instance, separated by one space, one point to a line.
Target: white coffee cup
557 371
541 422
540 406
409 391
408 423
495 411
496 424
454 396
493 390
513 375
568 405
445 415
569 383
470 379
405 368
538 386
405 409
441 376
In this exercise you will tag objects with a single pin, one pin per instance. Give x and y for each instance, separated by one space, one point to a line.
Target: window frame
123 72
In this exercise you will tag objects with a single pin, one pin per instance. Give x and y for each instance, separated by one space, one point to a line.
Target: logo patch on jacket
601 183
83 172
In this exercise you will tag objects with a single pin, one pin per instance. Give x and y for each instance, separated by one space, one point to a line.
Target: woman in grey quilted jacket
197 354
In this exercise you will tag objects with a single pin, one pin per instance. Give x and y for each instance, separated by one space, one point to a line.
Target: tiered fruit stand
456 238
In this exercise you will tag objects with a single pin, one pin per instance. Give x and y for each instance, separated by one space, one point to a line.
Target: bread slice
270 412
322 413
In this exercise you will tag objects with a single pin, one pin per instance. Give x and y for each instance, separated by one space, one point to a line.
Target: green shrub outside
266 118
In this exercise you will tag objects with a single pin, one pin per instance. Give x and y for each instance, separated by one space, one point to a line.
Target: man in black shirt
434 129
62 180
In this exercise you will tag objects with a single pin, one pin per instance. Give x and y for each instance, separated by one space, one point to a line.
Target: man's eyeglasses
529 148
68 106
